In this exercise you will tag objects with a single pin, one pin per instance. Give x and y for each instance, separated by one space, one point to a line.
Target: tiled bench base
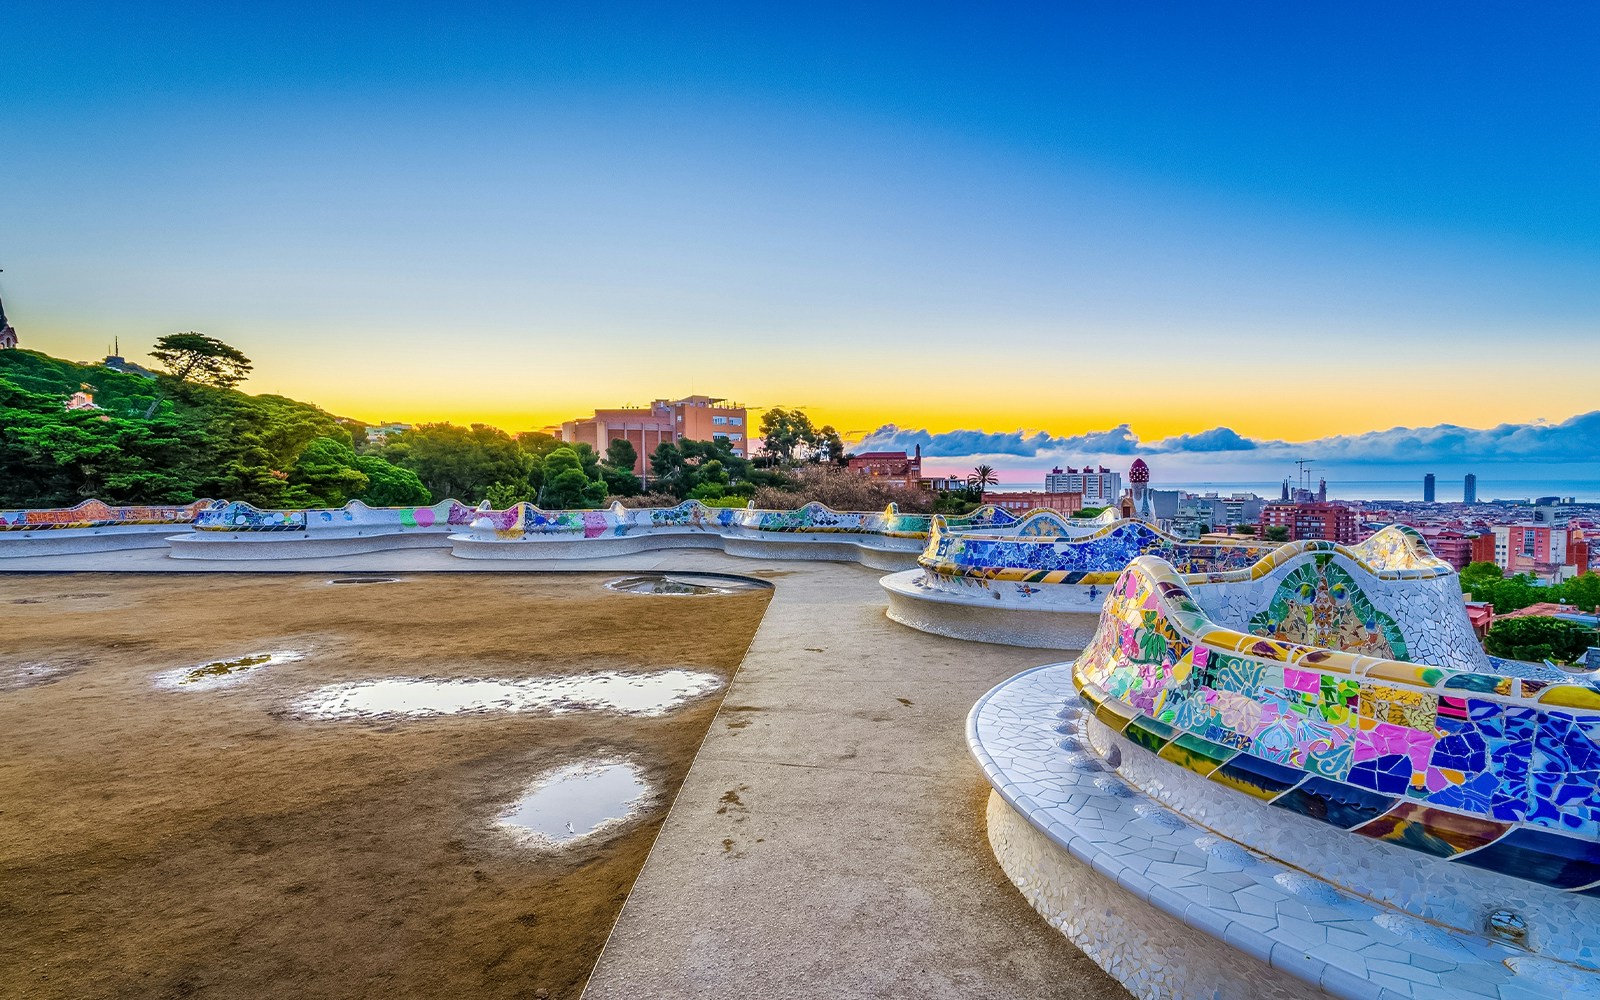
1176 912
979 620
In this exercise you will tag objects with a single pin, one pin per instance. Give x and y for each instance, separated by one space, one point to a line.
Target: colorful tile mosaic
1322 716
95 514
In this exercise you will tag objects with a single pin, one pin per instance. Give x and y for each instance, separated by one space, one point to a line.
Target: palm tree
982 477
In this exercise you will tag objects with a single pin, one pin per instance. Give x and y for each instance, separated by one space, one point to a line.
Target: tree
566 486
1535 639
783 431
324 474
827 446
462 462
1276 533
388 485
982 478
504 496
195 357
620 454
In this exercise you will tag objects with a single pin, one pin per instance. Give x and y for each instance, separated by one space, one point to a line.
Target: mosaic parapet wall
244 517
95 514
532 524
1070 571
1319 706
526 520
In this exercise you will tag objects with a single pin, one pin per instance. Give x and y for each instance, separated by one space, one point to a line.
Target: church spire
8 336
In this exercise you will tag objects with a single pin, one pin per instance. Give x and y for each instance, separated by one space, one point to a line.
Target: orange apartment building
693 418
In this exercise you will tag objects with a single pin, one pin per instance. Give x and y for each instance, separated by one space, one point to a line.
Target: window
736 420
719 420
735 437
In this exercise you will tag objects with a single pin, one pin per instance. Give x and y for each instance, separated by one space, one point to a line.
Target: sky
1301 224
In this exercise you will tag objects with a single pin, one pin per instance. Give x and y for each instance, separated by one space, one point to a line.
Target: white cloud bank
1571 442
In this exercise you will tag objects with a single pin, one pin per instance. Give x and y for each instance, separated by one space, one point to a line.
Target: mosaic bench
1434 813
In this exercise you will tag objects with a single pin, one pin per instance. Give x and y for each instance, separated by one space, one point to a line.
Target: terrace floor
829 838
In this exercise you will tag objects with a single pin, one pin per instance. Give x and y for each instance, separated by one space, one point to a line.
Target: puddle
366 579
17 676
654 693
220 672
666 584
578 801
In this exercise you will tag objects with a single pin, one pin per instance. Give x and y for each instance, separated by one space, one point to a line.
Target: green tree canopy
620 454
461 462
388 485
195 357
1537 638
566 485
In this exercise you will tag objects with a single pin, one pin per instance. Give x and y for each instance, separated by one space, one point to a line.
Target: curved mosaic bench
882 539
1048 591
94 526
885 539
1318 769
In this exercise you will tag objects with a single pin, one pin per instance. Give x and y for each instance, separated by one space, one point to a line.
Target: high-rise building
693 418
1469 491
1100 486
1427 488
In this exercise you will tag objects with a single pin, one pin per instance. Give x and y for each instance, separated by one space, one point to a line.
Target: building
1454 547
891 468
1483 548
83 399
1218 512
1138 504
1100 486
1469 489
1064 503
8 336
1316 519
664 421
381 432
1549 551
1427 488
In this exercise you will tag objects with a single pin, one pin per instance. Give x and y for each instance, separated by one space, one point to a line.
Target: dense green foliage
1488 582
790 436
1276 533
706 470
1535 639
165 440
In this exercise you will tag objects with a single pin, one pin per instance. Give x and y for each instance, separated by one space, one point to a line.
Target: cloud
1120 440
1576 440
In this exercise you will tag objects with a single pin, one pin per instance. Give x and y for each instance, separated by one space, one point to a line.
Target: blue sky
1292 221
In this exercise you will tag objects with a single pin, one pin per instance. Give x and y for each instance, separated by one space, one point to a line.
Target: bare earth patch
159 841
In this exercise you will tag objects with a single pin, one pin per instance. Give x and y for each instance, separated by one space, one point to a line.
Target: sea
1447 490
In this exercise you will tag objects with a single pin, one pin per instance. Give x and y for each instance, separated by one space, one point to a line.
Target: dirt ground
208 843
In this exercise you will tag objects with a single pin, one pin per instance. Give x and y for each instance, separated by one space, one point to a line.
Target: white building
1100 487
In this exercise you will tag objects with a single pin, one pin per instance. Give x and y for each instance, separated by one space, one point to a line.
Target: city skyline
1118 223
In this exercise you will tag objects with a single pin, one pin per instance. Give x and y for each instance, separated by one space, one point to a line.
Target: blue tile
1334 802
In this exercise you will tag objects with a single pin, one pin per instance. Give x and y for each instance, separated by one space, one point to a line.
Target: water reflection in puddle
652 693
220 672
577 801
365 579
679 586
